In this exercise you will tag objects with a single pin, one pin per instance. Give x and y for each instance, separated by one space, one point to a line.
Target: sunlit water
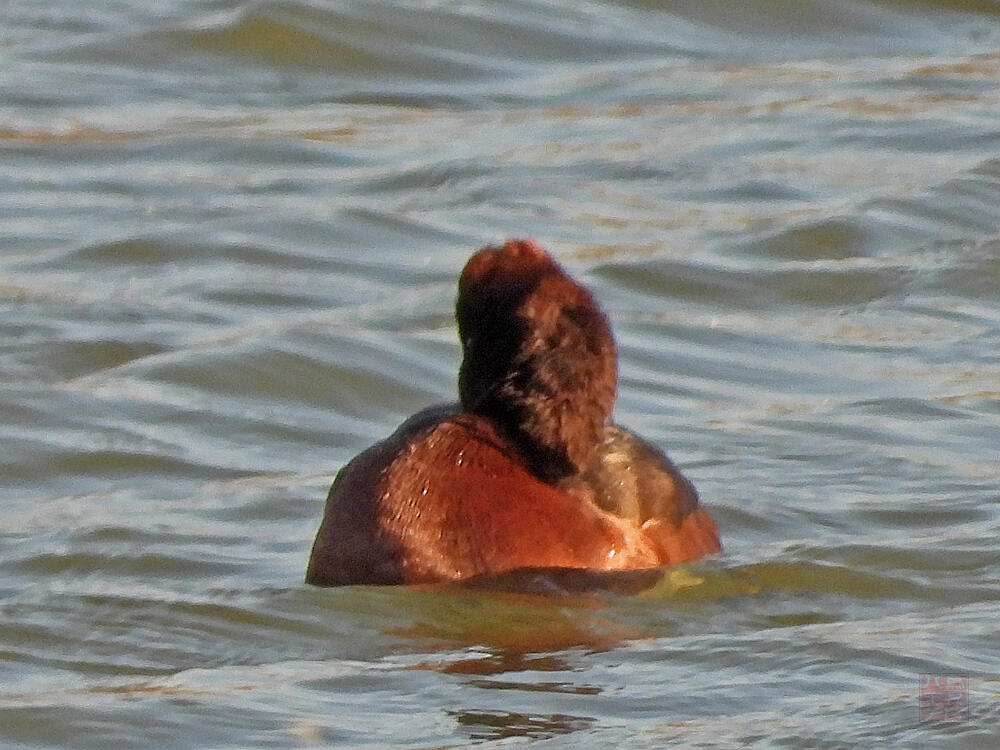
229 241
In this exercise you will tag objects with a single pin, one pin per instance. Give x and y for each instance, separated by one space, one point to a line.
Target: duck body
527 471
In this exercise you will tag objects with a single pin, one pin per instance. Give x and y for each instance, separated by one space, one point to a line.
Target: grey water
229 239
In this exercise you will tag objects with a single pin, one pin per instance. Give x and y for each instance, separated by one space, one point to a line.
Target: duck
527 471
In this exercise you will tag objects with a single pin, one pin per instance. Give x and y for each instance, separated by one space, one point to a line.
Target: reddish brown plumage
527 472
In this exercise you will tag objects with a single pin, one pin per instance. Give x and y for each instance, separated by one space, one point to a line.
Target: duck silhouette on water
527 471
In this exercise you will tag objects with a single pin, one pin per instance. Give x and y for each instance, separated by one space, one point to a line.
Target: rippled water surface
229 241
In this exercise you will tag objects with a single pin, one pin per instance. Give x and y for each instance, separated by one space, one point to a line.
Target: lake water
229 239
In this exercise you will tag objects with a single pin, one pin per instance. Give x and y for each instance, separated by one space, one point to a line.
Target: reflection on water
501 725
230 242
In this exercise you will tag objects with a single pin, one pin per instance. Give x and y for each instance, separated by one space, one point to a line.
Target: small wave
371 38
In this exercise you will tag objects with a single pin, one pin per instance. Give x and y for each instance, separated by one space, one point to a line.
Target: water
229 242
